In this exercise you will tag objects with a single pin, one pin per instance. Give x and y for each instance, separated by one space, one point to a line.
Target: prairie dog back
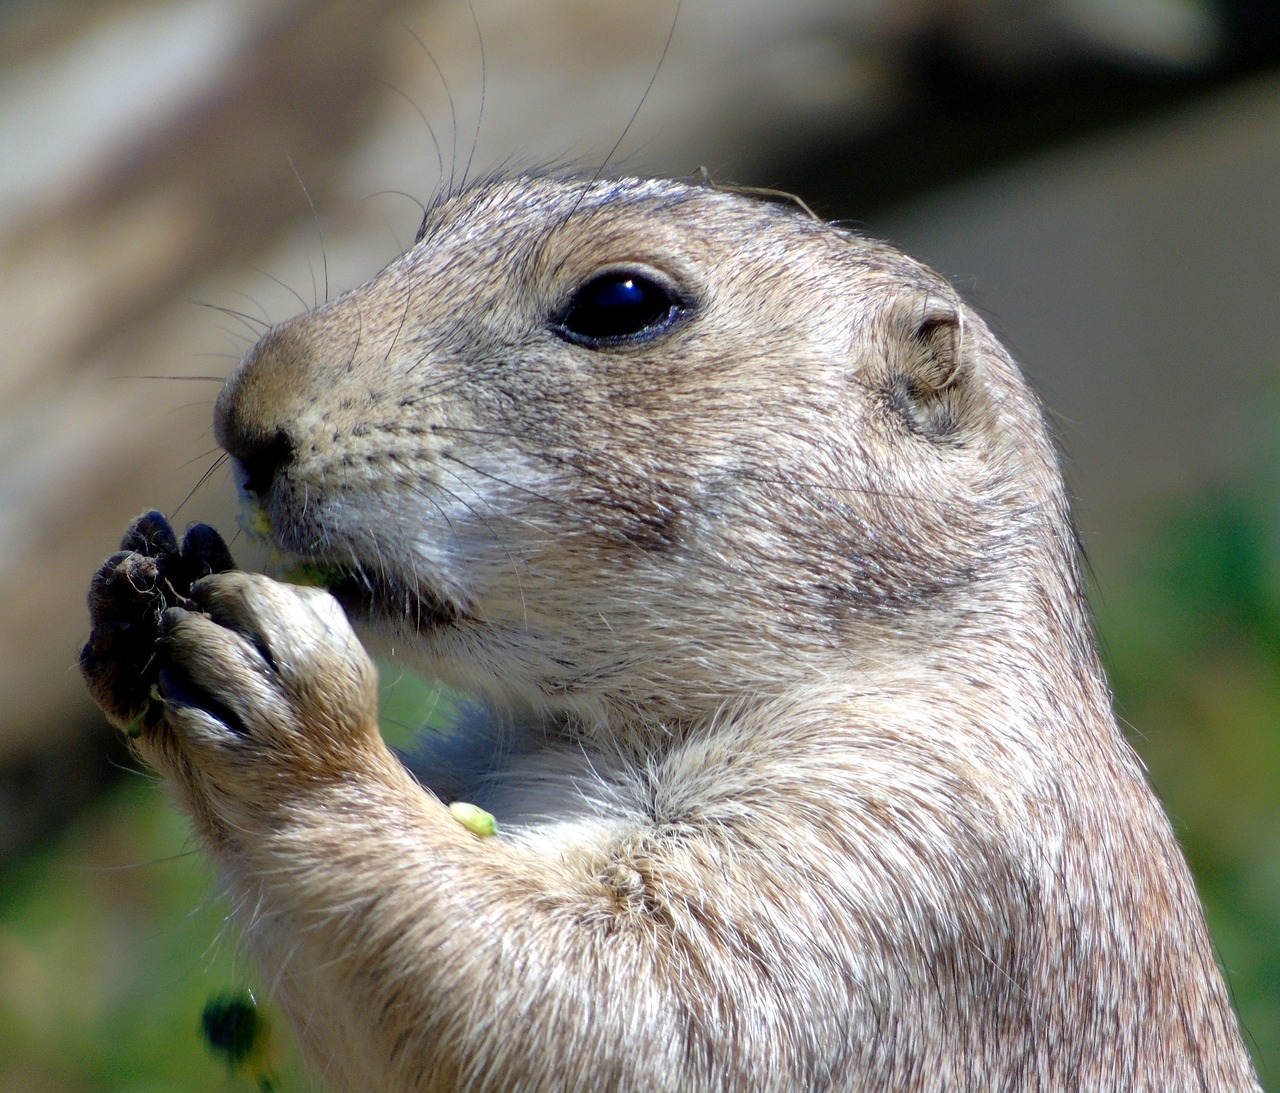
751 537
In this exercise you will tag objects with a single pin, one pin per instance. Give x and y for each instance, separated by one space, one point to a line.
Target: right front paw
128 596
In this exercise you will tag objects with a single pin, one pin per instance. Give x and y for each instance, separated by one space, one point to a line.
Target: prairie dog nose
253 415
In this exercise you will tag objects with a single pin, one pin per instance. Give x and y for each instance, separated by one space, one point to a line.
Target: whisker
404 318
484 79
431 132
302 300
516 486
315 219
217 465
221 457
515 568
252 323
653 77
453 115
198 379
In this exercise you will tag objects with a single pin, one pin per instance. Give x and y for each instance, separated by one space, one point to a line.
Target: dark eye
618 307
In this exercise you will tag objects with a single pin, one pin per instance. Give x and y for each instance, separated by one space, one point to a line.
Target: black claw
150 534
204 551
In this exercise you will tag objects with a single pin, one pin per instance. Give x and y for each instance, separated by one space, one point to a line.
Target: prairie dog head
639 445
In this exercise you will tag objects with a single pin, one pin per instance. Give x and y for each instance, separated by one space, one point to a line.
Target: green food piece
474 818
137 722
316 574
254 519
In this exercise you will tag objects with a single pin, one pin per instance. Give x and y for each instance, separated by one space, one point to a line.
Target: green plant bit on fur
474 818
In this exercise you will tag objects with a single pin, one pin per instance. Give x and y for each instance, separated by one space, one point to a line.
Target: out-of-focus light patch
1182 33
64 112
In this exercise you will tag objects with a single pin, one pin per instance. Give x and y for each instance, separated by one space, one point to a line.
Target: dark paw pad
127 597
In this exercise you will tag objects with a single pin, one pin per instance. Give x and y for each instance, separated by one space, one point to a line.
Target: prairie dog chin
752 539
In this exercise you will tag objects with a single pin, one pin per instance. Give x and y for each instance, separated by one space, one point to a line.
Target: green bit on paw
137 723
474 819
146 716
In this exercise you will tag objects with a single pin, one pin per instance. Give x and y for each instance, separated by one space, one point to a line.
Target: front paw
127 599
268 680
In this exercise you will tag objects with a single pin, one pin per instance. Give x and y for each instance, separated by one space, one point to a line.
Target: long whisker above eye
644 97
448 186
484 80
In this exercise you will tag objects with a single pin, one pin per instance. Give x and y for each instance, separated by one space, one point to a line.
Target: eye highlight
618 307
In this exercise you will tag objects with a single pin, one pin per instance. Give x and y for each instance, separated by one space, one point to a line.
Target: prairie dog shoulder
751 537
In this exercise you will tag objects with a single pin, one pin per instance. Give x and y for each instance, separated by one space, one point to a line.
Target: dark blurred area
1102 178
978 96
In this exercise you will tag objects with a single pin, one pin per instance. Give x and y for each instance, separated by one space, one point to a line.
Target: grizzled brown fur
804 762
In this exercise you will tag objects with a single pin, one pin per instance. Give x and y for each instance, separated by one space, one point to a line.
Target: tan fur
805 765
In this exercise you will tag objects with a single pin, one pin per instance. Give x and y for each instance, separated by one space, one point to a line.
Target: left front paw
127 599
268 680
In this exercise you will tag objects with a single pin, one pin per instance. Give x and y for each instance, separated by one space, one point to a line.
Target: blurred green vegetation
1192 644
110 941
113 937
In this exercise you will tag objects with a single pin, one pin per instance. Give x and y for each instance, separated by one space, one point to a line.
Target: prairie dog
752 538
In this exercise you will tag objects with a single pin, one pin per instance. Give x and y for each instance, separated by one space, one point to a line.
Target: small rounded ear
933 348
926 362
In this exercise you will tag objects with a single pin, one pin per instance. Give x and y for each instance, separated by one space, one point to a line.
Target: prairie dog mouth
365 593
373 596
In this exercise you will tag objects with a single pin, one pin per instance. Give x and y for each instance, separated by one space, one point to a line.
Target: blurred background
1102 177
